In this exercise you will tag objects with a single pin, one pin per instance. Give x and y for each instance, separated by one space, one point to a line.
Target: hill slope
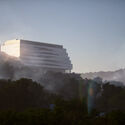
118 75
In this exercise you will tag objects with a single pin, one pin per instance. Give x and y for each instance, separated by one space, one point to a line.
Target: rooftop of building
35 43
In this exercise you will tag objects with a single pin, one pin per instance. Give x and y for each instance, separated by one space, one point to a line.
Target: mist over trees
24 93
112 76
29 96
73 101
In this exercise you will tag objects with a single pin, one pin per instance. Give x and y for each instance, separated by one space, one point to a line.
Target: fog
12 68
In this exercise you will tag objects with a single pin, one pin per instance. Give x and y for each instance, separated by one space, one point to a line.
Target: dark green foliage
112 98
60 116
22 94
24 102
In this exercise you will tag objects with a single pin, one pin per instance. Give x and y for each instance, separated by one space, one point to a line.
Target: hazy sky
93 31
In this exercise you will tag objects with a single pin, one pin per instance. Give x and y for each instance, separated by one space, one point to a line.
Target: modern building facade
36 54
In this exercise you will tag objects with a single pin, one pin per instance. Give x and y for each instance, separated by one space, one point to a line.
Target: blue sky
93 31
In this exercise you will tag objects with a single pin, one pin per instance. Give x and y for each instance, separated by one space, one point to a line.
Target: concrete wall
47 56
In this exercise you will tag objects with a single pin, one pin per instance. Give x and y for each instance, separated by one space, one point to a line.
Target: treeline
61 99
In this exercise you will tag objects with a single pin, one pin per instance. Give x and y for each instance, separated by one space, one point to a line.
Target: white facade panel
11 48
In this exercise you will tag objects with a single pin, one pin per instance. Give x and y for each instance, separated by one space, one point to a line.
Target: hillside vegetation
73 101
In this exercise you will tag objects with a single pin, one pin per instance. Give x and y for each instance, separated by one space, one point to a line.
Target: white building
36 54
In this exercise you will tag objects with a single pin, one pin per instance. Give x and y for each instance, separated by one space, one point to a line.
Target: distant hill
118 75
